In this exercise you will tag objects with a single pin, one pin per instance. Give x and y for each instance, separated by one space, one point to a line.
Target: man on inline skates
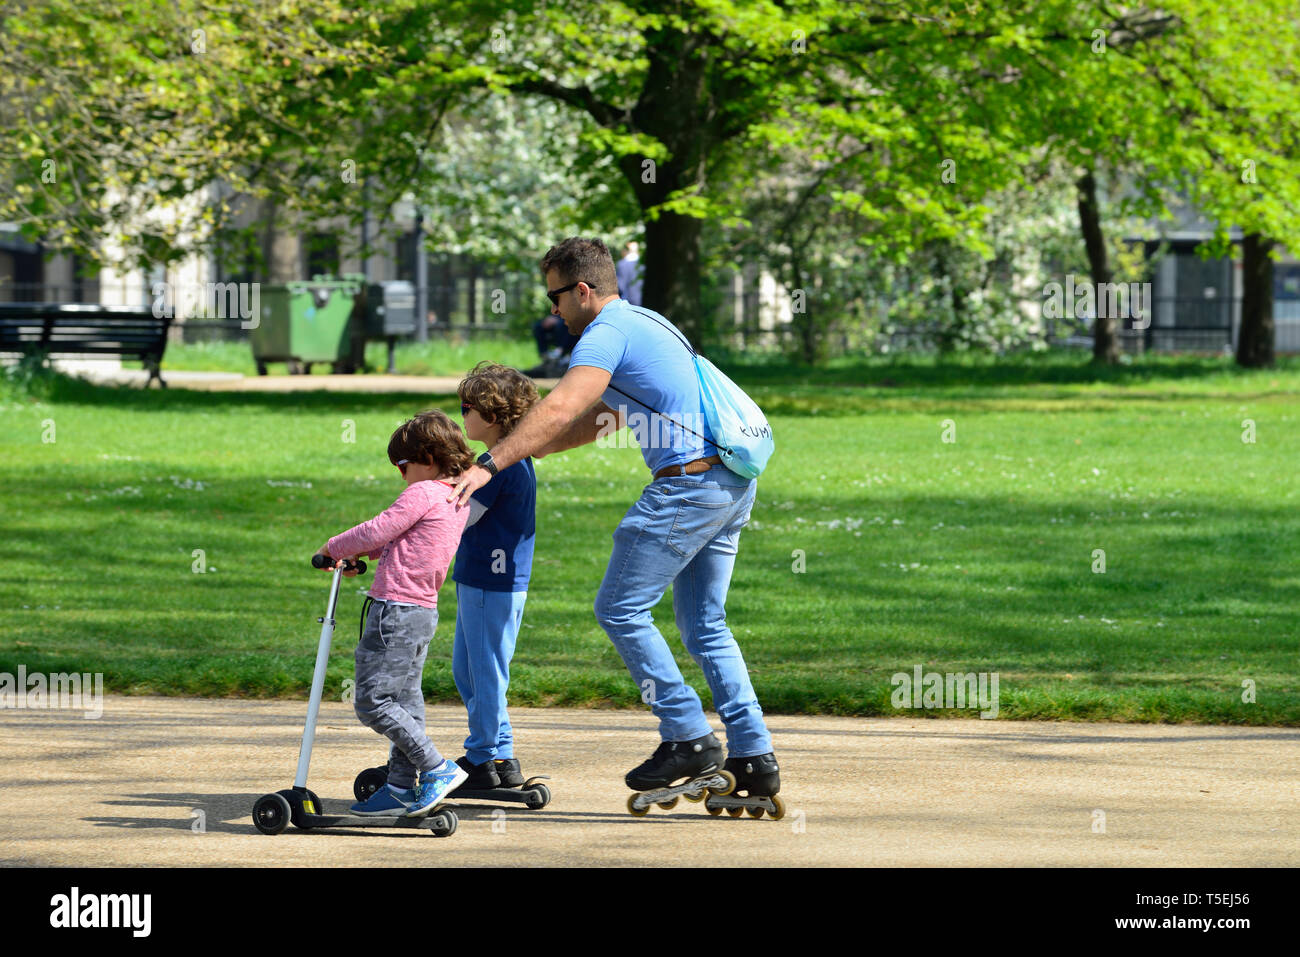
630 367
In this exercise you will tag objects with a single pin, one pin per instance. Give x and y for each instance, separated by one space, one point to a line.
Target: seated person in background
554 343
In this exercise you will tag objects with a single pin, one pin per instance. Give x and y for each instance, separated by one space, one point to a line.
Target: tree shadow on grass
1058 367
67 389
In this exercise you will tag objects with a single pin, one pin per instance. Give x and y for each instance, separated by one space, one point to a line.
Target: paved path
124 790
233 382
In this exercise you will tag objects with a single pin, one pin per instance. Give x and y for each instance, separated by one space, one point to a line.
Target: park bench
63 330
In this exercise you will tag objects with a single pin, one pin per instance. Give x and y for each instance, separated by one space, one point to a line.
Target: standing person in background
630 274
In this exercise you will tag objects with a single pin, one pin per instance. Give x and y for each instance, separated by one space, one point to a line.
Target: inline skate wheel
696 798
670 804
539 797
779 806
735 811
713 811
755 812
636 811
731 784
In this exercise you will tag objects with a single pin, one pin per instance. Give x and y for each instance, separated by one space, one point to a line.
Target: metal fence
1177 324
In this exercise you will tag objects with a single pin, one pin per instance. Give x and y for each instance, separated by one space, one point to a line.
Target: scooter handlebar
320 561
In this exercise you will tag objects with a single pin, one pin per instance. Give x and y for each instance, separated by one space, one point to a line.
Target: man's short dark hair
583 260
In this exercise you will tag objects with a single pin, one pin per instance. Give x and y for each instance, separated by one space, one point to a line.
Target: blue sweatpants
487 624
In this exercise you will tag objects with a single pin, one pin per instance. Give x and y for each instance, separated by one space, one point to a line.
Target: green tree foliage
894 127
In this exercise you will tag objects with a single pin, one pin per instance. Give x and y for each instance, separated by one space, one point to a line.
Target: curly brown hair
503 394
431 438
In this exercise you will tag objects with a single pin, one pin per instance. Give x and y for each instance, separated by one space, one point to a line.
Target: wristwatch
485 460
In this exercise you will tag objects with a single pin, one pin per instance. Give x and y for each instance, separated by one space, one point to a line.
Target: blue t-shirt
496 552
650 361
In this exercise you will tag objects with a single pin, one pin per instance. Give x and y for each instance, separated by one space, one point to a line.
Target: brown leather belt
690 468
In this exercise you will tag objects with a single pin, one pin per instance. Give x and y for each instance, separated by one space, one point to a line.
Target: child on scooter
414 539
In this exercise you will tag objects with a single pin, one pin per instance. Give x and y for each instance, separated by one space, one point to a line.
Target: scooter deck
529 793
357 820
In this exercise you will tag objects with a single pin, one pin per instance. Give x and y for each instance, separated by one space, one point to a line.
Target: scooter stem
318 682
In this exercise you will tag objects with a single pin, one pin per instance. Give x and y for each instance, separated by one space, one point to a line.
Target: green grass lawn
876 546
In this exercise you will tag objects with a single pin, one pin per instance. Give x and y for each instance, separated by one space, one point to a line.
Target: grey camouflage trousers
389 699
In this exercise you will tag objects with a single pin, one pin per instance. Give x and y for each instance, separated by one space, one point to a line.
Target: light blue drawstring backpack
743 437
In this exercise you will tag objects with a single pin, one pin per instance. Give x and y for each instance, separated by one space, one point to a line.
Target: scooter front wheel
272 814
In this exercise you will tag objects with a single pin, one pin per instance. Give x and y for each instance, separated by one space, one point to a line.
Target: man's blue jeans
487 625
684 531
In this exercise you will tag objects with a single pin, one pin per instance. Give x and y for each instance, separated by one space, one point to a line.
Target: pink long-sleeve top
414 539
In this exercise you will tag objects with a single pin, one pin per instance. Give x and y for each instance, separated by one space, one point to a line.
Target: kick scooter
532 794
273 813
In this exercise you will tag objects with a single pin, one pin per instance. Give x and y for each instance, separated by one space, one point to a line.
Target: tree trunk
802 321
1105 343
1255 337
672 272
674 107
283 246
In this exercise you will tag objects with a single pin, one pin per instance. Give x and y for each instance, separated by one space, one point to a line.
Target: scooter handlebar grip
320 561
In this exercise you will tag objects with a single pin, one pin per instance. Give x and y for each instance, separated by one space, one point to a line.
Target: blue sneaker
386 802
434 786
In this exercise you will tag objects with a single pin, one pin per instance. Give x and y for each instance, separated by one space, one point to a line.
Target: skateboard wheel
779 811
669 804
636 811
735 811
271 813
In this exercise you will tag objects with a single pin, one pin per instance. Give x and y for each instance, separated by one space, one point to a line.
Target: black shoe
758 776
674 760
481 776
508 770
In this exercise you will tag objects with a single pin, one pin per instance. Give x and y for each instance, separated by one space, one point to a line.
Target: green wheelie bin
310 321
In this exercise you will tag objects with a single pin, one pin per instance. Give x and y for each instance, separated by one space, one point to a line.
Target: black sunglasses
554 294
